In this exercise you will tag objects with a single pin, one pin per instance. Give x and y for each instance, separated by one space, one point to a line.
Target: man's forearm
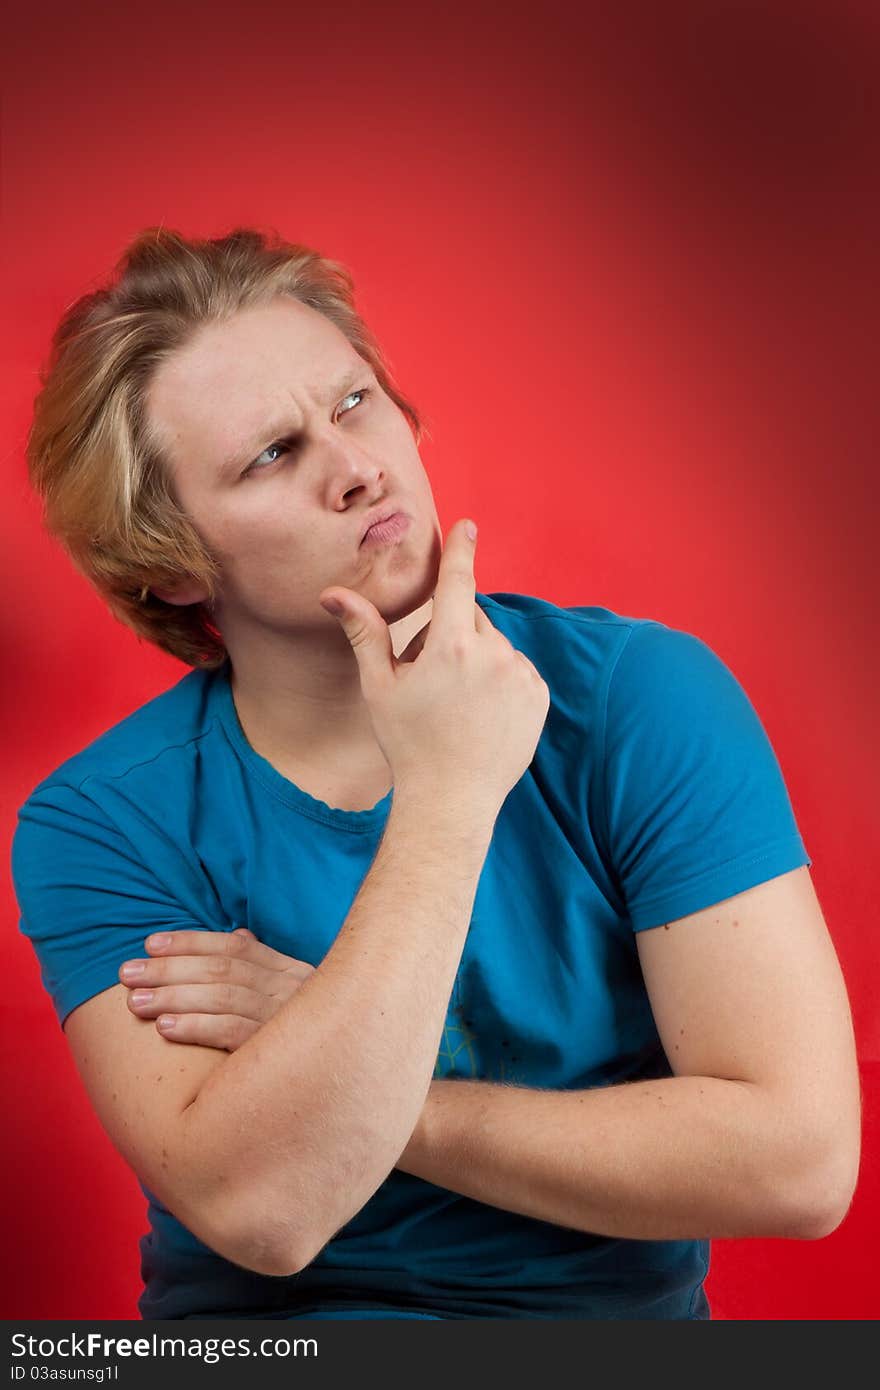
684 1157
320 1102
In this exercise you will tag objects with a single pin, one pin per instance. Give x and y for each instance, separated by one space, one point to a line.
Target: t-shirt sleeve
86 897
696 806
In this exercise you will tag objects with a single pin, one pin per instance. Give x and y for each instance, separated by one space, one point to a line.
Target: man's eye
262 462
364 391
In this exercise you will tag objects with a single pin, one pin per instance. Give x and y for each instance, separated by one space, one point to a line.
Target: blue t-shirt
654 792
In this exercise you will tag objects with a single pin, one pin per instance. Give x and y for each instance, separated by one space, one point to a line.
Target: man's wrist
444 809
420 1142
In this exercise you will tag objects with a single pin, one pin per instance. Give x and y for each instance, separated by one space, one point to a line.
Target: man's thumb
333 605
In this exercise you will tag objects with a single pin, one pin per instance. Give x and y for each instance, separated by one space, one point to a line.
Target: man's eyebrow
281 427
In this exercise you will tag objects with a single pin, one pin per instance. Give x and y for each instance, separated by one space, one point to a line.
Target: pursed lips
385 515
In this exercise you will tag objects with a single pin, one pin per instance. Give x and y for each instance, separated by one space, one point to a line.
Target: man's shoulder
167 722
582 641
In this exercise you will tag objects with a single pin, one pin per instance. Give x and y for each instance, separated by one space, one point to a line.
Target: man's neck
303 705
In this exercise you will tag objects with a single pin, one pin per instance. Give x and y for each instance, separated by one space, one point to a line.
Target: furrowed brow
281 427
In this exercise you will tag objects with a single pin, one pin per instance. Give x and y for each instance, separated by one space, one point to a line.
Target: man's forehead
290 343
237 388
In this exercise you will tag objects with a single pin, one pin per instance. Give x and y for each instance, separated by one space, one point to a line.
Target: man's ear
182 594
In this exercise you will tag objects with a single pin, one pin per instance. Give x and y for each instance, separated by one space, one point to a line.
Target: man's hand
212 988
185 977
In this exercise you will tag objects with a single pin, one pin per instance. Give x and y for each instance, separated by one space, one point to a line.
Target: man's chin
396 596
398 612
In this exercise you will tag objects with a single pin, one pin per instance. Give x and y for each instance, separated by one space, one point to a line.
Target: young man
548 1000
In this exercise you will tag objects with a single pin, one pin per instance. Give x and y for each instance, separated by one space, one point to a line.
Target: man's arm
757 1133
319 1103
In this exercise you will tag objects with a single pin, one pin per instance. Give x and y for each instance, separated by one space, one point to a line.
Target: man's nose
350 465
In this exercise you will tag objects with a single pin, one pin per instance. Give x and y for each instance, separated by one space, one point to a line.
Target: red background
625 258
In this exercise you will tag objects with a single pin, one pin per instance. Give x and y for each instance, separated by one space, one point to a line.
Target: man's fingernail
166 1022
470 531
158 943
332 605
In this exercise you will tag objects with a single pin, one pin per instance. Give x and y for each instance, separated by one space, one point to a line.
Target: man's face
281 444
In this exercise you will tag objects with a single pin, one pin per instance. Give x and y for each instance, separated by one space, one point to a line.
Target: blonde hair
92 458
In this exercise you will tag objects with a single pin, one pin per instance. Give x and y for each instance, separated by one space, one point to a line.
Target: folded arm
757 1133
